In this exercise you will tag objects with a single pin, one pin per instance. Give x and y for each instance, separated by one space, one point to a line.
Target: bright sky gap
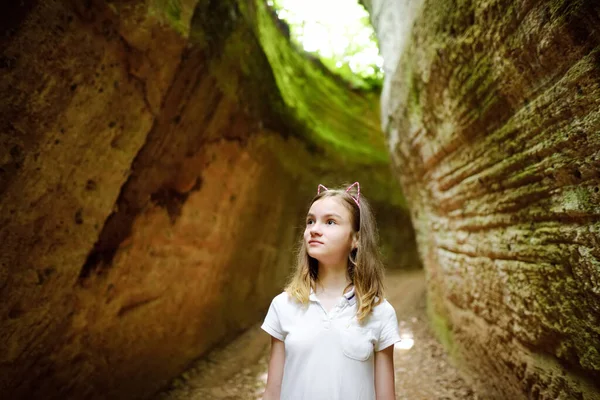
338 31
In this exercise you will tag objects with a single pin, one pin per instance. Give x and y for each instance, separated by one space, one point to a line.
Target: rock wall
156 158
492 115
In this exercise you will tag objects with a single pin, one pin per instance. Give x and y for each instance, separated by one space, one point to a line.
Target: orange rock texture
492 114
154 174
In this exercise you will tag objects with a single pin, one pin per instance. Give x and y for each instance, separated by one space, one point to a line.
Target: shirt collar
349 295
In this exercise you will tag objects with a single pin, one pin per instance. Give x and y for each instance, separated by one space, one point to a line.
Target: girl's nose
314 230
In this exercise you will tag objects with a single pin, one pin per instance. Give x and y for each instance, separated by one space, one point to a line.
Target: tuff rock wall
156 158
492 114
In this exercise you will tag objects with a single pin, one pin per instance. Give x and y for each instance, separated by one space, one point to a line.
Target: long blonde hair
365 268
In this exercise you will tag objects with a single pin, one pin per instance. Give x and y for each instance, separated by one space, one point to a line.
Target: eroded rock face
492 114
154 180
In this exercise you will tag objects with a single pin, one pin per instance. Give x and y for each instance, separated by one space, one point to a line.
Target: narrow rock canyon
157 158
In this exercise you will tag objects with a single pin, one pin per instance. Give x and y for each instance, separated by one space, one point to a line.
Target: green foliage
347 44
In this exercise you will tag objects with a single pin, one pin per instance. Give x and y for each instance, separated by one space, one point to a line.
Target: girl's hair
365 268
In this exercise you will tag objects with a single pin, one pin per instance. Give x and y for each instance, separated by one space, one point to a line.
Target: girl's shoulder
384 310
283 299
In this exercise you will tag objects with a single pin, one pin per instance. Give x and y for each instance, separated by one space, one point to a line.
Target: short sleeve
272 323
390 333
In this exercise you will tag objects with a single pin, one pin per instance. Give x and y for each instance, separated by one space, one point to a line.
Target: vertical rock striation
492 116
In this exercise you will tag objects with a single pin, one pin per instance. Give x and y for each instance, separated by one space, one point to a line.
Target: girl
332 331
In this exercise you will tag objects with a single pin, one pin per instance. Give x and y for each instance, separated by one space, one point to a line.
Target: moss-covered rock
491 109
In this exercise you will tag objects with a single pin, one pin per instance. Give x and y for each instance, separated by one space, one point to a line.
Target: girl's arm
384 374
275 374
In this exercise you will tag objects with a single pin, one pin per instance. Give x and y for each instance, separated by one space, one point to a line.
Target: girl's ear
355 240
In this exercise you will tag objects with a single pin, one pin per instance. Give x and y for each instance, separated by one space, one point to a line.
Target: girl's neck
332 279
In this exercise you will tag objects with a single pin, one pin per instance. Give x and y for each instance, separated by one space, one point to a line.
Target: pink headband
356 199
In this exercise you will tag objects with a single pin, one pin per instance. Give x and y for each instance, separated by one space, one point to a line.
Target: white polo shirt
329 356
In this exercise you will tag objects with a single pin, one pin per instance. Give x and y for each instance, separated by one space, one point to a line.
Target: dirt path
423 372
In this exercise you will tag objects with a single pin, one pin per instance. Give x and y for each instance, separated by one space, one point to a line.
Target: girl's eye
309 222
330 222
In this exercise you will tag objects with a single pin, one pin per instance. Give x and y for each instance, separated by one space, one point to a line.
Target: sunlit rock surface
155 161
492 115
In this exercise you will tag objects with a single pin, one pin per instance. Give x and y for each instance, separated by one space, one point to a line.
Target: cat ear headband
355 198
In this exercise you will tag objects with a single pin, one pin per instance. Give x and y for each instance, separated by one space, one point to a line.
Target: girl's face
328 235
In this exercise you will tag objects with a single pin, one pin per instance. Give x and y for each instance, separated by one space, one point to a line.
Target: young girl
332 330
